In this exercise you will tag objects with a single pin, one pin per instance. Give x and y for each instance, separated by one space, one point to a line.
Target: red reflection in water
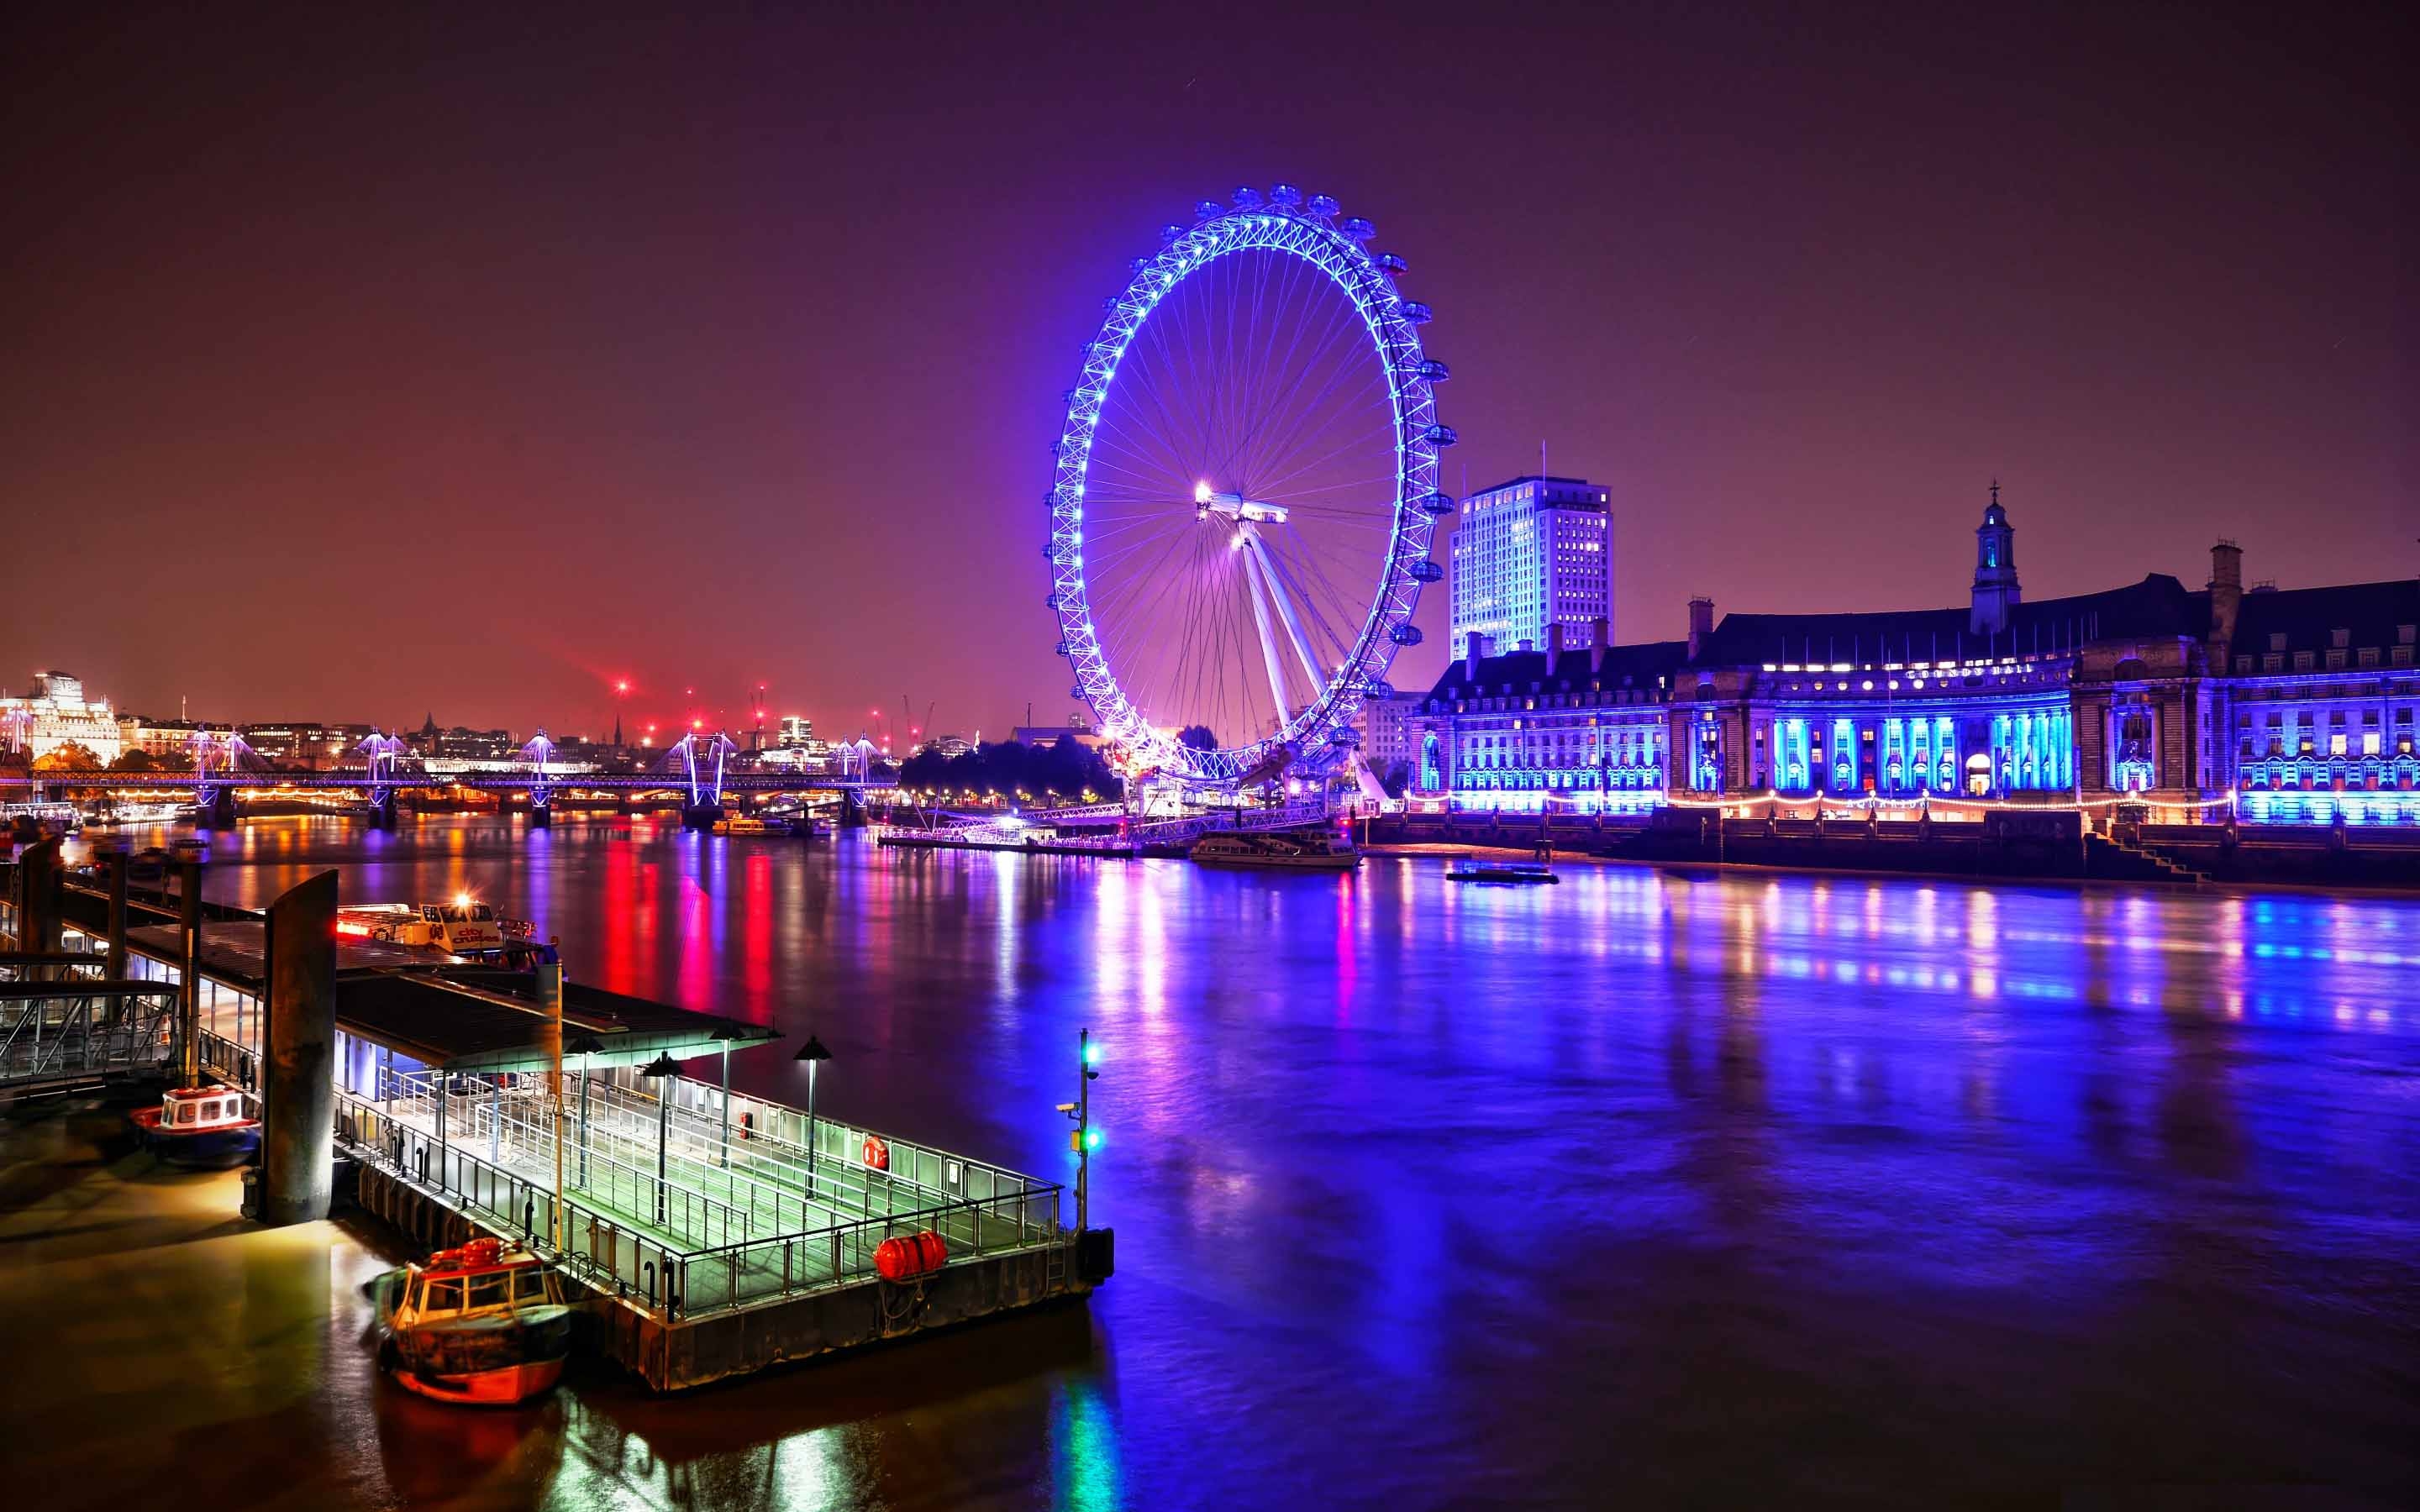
757 942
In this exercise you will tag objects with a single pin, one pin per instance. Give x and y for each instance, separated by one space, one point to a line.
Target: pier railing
607 1246
732 1276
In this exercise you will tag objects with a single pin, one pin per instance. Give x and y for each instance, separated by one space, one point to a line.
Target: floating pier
711 1234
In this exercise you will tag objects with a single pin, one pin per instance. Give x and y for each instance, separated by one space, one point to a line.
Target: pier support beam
41 889
700 815
298 1114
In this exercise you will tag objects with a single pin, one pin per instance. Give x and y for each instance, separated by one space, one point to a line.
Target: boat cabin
192 1109
474 1279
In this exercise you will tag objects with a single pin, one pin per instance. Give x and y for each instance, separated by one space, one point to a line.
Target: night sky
467 364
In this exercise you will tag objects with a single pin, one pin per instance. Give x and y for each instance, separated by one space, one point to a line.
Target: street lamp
583 1046
812 1053
661 1069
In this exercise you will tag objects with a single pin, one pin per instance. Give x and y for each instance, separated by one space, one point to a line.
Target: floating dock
712 1234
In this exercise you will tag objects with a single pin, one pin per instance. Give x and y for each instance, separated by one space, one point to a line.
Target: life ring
748 1125
876 1154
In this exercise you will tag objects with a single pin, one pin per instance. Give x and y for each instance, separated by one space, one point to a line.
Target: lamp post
583 1046
813 1054
661 1071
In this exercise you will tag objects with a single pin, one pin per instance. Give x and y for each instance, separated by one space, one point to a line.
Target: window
493 1289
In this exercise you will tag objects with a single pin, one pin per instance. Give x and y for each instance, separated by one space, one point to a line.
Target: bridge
698 768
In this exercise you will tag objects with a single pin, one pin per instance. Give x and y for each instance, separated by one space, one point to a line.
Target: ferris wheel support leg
1271 657
1285 612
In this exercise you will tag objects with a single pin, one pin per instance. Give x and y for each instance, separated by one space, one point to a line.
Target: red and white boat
481 1325
199 1126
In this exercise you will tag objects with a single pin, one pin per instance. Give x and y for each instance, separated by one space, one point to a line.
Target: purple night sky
465 366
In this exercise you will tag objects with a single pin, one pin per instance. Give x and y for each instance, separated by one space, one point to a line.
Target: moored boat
480 1325
1540 868
198 1126
1310 849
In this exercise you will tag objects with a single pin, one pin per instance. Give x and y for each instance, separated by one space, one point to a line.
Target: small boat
204 1127
1314 849
464 927
1539 869
481 1325
741 824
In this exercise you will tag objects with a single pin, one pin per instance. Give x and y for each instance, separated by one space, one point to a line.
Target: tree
1197 737
70 756
136 759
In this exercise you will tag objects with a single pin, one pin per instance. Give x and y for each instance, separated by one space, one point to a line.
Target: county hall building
2290 706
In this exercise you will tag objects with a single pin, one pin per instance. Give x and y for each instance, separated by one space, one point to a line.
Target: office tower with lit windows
1530 553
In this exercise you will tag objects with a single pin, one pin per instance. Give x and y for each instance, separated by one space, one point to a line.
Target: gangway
59 1036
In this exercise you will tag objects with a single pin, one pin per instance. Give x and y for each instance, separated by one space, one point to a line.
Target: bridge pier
218 810
852 809
701 815
382 809
541 816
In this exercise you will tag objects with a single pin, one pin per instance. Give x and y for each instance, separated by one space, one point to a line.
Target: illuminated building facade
1528 554
2290 707
54 712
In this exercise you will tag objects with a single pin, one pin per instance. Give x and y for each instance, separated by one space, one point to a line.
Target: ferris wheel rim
1391 324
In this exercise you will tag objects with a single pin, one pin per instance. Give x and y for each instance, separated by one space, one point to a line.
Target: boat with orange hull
479 1325
205 1127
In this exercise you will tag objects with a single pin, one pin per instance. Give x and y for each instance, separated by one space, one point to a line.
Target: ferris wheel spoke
1341 320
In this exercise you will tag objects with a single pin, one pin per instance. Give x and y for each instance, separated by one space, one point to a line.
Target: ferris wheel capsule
1284 196
1169 233
1359 229
1436 504
1246 197
1434 371
1417 313
1205 210
1404 635
1425 571
1442 435
1393 266
1323 207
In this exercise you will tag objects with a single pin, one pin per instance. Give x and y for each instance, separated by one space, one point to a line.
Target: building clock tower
1995 569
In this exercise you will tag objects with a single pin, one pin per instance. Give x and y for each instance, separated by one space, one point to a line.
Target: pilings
298 1117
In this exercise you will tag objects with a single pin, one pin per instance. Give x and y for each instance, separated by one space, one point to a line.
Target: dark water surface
1641 1189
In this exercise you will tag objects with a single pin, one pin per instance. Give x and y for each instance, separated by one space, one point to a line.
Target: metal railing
69 1036
607 1249
732 1276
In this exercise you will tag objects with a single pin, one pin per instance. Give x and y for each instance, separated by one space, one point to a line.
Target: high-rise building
797 730
1530 553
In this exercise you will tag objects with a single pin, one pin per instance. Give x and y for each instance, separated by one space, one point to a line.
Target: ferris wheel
1245 492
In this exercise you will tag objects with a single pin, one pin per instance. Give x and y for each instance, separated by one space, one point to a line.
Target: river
1643 1188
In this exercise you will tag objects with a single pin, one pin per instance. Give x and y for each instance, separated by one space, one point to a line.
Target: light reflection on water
1424 1192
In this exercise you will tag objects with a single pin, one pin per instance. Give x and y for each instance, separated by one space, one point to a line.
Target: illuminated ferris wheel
1245 492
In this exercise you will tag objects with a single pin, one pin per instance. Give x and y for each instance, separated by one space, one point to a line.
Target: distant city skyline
483 392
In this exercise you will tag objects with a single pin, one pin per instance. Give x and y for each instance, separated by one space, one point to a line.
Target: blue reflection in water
1425 1190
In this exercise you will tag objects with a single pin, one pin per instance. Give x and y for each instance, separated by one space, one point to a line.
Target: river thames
1645 1188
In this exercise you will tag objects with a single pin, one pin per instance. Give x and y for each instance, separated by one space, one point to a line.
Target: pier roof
461 1016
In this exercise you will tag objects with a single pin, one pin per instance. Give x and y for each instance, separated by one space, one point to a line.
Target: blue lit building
1529 554
2295 707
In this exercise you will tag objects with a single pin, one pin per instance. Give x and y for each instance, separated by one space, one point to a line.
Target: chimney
2226 597
1701 625
1527 644
1477 648
1554 645
1600 631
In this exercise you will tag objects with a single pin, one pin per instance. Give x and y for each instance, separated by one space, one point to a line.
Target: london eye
1245 492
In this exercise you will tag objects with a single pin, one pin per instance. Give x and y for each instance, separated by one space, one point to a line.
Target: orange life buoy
876 1153
747 1125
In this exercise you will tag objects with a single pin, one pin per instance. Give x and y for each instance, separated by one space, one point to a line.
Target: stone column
298 1085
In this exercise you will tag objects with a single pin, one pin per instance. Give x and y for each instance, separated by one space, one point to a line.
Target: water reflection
1425 1192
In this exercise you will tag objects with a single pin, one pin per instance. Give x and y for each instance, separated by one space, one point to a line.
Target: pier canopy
459 1016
